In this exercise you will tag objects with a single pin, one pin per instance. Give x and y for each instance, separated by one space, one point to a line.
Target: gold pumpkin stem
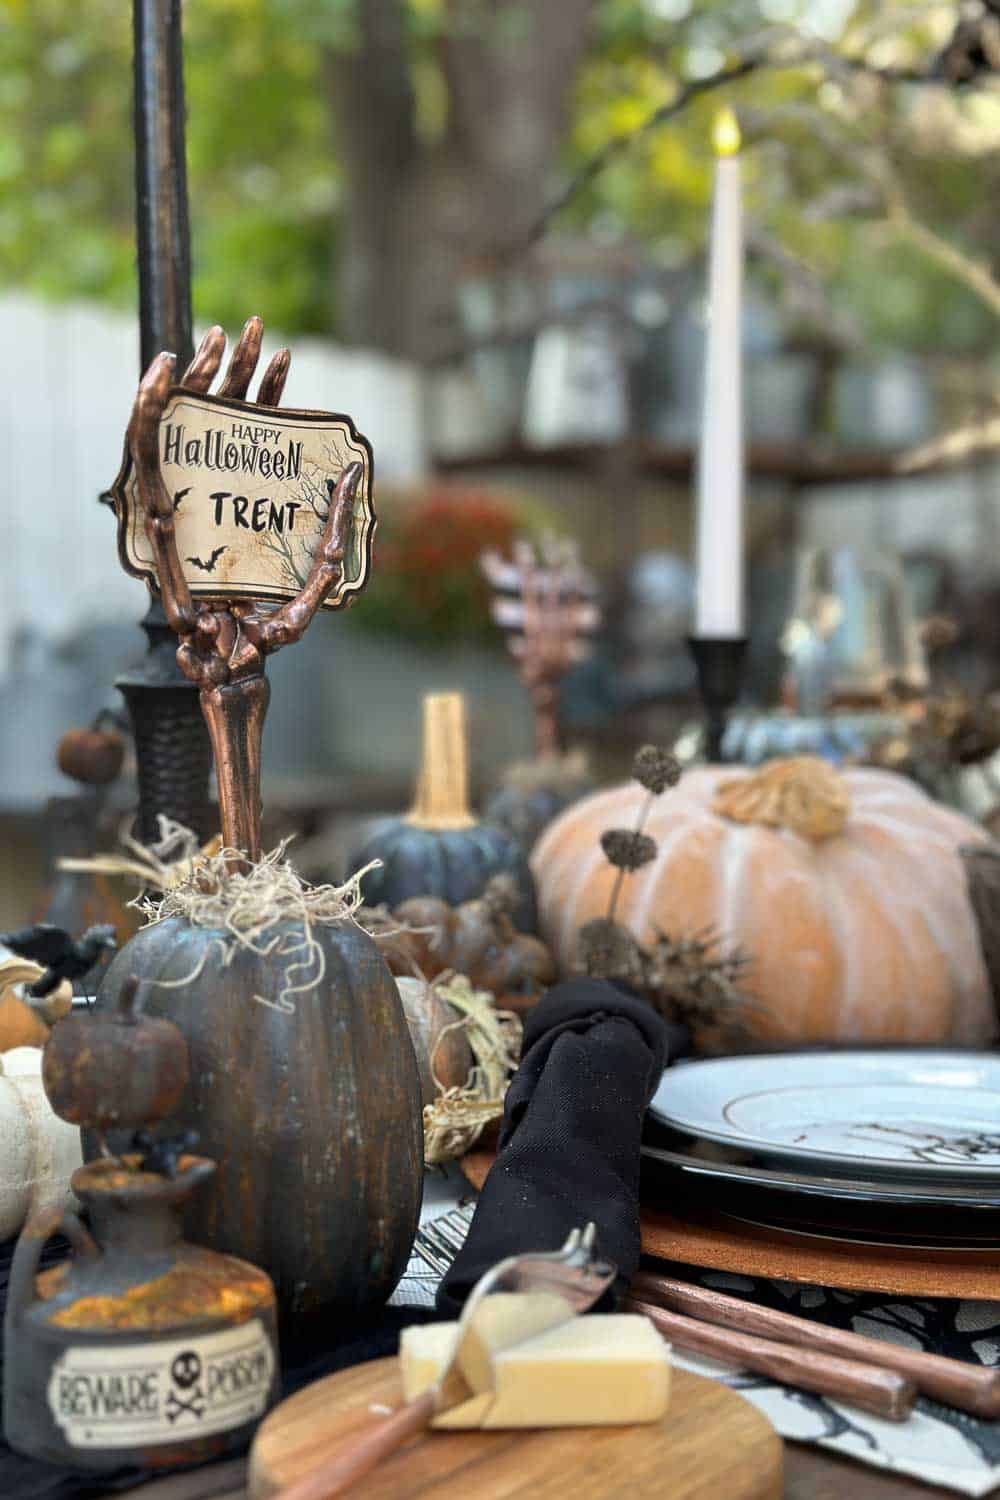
442 793
803 794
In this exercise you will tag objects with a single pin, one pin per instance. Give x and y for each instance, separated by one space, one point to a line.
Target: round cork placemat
711 1445
715 1242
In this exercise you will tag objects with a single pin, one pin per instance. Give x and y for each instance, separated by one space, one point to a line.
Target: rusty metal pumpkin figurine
476 938
115 1069
140 1348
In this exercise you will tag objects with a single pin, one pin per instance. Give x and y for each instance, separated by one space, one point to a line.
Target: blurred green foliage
263 177
266 194
817 151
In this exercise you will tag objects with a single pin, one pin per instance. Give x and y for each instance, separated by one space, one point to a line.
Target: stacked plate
892 1147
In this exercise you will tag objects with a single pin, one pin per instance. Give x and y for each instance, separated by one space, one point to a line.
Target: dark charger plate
938 1214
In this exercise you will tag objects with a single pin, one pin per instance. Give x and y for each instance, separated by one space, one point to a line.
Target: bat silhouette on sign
208 567
179 496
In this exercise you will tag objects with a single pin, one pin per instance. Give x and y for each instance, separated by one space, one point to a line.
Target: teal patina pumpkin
304 1089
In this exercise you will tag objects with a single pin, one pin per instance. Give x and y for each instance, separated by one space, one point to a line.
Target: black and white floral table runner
937 1444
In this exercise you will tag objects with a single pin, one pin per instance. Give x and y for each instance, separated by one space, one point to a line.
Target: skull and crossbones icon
185 1373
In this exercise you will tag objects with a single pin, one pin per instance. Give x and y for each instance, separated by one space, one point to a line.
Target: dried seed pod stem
695 979
655 769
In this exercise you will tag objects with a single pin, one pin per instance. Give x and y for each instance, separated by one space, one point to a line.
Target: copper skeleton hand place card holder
248 518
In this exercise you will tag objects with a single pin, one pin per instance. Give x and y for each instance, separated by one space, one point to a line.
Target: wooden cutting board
714 1241
711 1445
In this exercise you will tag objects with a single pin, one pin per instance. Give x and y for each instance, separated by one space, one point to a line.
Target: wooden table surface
810 1474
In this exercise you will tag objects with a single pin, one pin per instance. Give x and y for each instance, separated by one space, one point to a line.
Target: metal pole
161 207
173 751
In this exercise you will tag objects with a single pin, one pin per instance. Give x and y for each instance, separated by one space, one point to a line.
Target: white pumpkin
24 1020
443 1053
38 1151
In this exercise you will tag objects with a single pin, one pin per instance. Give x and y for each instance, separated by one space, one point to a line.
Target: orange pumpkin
844 888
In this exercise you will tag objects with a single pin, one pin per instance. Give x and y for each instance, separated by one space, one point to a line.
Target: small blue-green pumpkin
455 864
439 848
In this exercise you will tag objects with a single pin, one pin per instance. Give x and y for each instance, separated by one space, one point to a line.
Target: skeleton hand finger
205 366
144 428
273 380
243 360
192 665
342 512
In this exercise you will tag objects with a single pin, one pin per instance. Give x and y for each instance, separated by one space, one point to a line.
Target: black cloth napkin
591 1059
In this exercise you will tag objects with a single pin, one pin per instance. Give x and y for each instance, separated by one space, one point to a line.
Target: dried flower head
698 979
701 981
607 950
656 769
626 849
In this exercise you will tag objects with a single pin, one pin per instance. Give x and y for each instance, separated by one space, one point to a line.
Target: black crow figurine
61 956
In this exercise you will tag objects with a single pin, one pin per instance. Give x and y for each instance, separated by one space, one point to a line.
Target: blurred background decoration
482 225
430 589
851 634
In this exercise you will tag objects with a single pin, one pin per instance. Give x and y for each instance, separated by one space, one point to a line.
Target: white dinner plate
909 1113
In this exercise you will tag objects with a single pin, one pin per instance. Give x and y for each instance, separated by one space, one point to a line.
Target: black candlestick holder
719 663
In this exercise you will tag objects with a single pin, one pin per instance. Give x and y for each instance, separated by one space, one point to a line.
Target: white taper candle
719 607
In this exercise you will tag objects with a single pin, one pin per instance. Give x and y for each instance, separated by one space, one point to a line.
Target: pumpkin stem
127 998
442 792
803 794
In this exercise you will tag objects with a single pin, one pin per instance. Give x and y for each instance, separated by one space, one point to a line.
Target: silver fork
577 1274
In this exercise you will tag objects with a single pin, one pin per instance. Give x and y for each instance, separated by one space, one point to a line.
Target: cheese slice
501 1320
593 1371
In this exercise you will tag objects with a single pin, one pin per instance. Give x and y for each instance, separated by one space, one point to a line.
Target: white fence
70 376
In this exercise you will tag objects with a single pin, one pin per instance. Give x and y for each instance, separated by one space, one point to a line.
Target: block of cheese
592 1371
500 1320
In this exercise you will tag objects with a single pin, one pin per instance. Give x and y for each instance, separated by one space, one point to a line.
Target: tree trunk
373 111
419 215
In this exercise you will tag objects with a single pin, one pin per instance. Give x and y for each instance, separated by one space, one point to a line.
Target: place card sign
250 488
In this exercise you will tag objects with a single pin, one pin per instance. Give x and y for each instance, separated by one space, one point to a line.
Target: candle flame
726 133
